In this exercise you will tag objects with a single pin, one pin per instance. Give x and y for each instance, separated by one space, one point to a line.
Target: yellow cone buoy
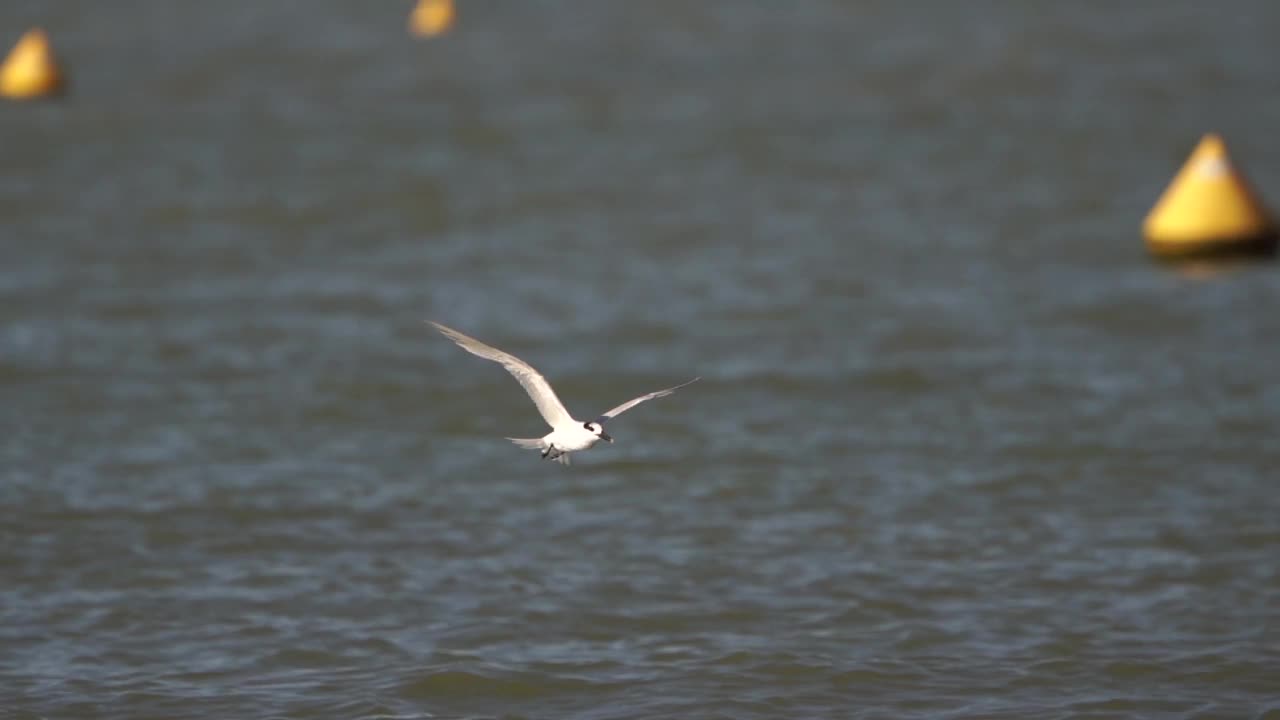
1209 210
432 17
31 70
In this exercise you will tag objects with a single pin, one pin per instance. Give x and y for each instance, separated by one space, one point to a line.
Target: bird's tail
537 444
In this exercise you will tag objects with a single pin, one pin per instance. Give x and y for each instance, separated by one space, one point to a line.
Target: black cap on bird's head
598 430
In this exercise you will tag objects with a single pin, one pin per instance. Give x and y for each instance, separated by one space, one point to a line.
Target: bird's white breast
572 439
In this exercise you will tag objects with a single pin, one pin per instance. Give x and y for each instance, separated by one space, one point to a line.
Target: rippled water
960 449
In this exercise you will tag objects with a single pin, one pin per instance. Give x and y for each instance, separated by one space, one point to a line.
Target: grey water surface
960 449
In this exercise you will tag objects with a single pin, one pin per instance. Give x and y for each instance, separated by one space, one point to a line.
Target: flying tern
567 434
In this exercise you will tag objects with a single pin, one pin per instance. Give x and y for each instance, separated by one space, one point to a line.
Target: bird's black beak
605 436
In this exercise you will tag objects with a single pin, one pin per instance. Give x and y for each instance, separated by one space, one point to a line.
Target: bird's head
596 429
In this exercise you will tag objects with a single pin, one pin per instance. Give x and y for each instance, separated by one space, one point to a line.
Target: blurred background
960 448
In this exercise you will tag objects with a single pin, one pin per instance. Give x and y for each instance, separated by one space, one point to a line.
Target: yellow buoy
432 17
1209 210
31 70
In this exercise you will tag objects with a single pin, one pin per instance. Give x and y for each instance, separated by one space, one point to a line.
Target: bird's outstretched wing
553 411
636 401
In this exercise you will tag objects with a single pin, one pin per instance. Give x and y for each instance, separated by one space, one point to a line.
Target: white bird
567 435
